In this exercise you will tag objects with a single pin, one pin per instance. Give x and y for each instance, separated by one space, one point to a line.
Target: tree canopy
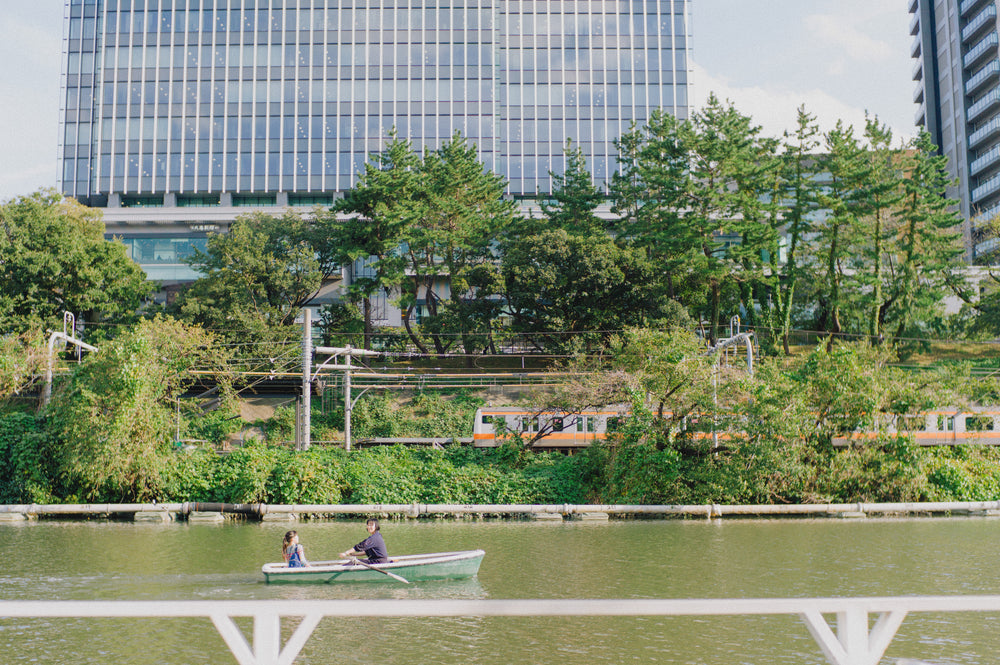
54 259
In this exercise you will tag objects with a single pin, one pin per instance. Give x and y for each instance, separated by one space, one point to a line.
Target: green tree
112 422
54 259
367 226
437 221
800 201
848 168
882 193
648 193
23 359
569 292
698 195
465 212
927 241
729 162
574 197
256 278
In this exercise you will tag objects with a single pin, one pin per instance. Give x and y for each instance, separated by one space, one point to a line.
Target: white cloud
844 33
775 108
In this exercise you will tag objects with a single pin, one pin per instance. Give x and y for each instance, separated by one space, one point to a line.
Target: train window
579 423
946 423
978 423
591 424
557 424
911 423
487 420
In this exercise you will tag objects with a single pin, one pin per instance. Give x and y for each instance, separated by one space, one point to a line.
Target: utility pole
306 419
348 352
735 337
68 319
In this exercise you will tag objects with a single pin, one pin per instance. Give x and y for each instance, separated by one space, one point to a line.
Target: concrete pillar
153 516
593 517
206 518
279 517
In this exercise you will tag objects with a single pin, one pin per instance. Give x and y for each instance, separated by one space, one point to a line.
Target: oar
384 572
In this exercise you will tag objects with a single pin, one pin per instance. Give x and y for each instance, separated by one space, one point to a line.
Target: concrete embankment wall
192 510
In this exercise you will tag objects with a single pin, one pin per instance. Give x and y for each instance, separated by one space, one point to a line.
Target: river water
70 560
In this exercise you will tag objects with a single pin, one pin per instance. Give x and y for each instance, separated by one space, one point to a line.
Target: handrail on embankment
415 510
853 643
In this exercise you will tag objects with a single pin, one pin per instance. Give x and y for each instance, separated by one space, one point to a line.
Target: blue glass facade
170 100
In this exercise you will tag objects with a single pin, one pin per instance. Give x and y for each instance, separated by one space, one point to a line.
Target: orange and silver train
563 430
553 429
947 426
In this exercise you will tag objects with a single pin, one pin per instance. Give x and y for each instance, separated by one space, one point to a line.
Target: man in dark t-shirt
372 547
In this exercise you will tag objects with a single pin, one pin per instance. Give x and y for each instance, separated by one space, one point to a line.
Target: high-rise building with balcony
957 70
181 114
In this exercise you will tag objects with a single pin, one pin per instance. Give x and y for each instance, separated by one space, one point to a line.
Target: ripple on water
640 559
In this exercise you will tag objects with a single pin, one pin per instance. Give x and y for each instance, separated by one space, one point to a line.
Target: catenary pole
306 380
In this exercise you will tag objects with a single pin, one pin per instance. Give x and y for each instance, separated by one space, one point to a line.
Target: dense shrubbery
628 473
396 474
108 436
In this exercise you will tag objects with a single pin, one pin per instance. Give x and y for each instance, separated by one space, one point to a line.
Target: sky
839 58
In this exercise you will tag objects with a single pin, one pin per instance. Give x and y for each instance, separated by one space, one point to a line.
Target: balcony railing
915 24
987 188
980 50
979 21
986 159
984 132
967 6
918 69
986 102
987 73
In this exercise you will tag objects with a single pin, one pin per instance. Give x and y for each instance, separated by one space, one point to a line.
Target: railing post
267 638
853 644
852 633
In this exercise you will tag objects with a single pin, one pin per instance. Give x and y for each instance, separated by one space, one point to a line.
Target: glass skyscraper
178 114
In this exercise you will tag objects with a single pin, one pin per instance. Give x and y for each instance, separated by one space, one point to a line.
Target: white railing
852 643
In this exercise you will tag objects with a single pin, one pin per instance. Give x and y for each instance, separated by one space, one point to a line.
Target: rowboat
412 567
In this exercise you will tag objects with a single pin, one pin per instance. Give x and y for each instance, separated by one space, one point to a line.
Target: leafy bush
962 474
190 476
243 476
24 472
214 426
305 478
